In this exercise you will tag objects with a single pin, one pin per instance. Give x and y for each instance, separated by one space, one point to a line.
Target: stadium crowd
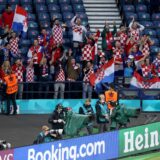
49 60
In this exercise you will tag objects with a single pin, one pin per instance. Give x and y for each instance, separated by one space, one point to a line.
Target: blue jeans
87 88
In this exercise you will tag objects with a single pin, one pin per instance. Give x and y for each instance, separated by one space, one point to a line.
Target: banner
46 106
6 155
96 147
139 139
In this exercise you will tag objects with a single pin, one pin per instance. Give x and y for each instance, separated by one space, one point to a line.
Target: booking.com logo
68 153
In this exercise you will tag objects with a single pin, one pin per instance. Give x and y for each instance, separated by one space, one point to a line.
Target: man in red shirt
7 17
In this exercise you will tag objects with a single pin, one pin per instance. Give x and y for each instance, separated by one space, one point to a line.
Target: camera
4 145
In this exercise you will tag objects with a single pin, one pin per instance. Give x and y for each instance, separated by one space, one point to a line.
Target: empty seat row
132 8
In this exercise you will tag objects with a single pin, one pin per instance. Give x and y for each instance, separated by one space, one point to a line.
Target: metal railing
74 90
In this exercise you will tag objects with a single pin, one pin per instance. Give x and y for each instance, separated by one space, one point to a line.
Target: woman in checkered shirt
59 85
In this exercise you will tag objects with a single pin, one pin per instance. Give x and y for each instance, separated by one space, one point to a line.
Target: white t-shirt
77 31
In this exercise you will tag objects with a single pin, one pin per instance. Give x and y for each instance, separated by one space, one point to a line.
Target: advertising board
98 147
6 155
139 139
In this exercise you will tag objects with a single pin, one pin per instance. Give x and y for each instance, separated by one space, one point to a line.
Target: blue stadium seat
67 42
25 2
3 2
31 17
24 51
141 8
139 2
53 8
83 16
57 15
68 23
41 8
43 16
130 15
154 49
150 32
78 8
66 8
32 25
45 24
49 31
143 16
64 2
128 8
13 2
76 1
67 16
2 7
158 32
156 24
25 43
65 35
84 23
122 2
32 34
39 2
28 8
13 6
156 17
51 1
156 41
70 33
148 24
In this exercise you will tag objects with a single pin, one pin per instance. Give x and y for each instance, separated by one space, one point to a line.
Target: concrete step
102 9
97 21
92 17
99 5
102 25
103 13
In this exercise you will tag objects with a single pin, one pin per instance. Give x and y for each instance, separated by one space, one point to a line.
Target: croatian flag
138 81
104 75
20 20
138 59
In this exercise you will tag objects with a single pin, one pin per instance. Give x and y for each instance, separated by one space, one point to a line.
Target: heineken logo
143 139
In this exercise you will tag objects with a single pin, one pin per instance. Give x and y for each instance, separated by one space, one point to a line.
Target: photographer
87 109
102 113
57 118
46 135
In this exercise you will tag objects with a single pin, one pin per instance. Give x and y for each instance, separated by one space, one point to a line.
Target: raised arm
73 20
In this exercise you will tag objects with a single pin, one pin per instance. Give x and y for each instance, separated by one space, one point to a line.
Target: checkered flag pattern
58 34
60 76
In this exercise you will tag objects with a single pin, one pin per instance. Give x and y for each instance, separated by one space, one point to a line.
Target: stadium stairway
99 11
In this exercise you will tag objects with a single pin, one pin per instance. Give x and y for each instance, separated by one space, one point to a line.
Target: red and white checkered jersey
146 49
14 45
123 38
60 76
146 70
87 52
35 52
29 74
19 72
87 75
135 33
58 34
117 54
